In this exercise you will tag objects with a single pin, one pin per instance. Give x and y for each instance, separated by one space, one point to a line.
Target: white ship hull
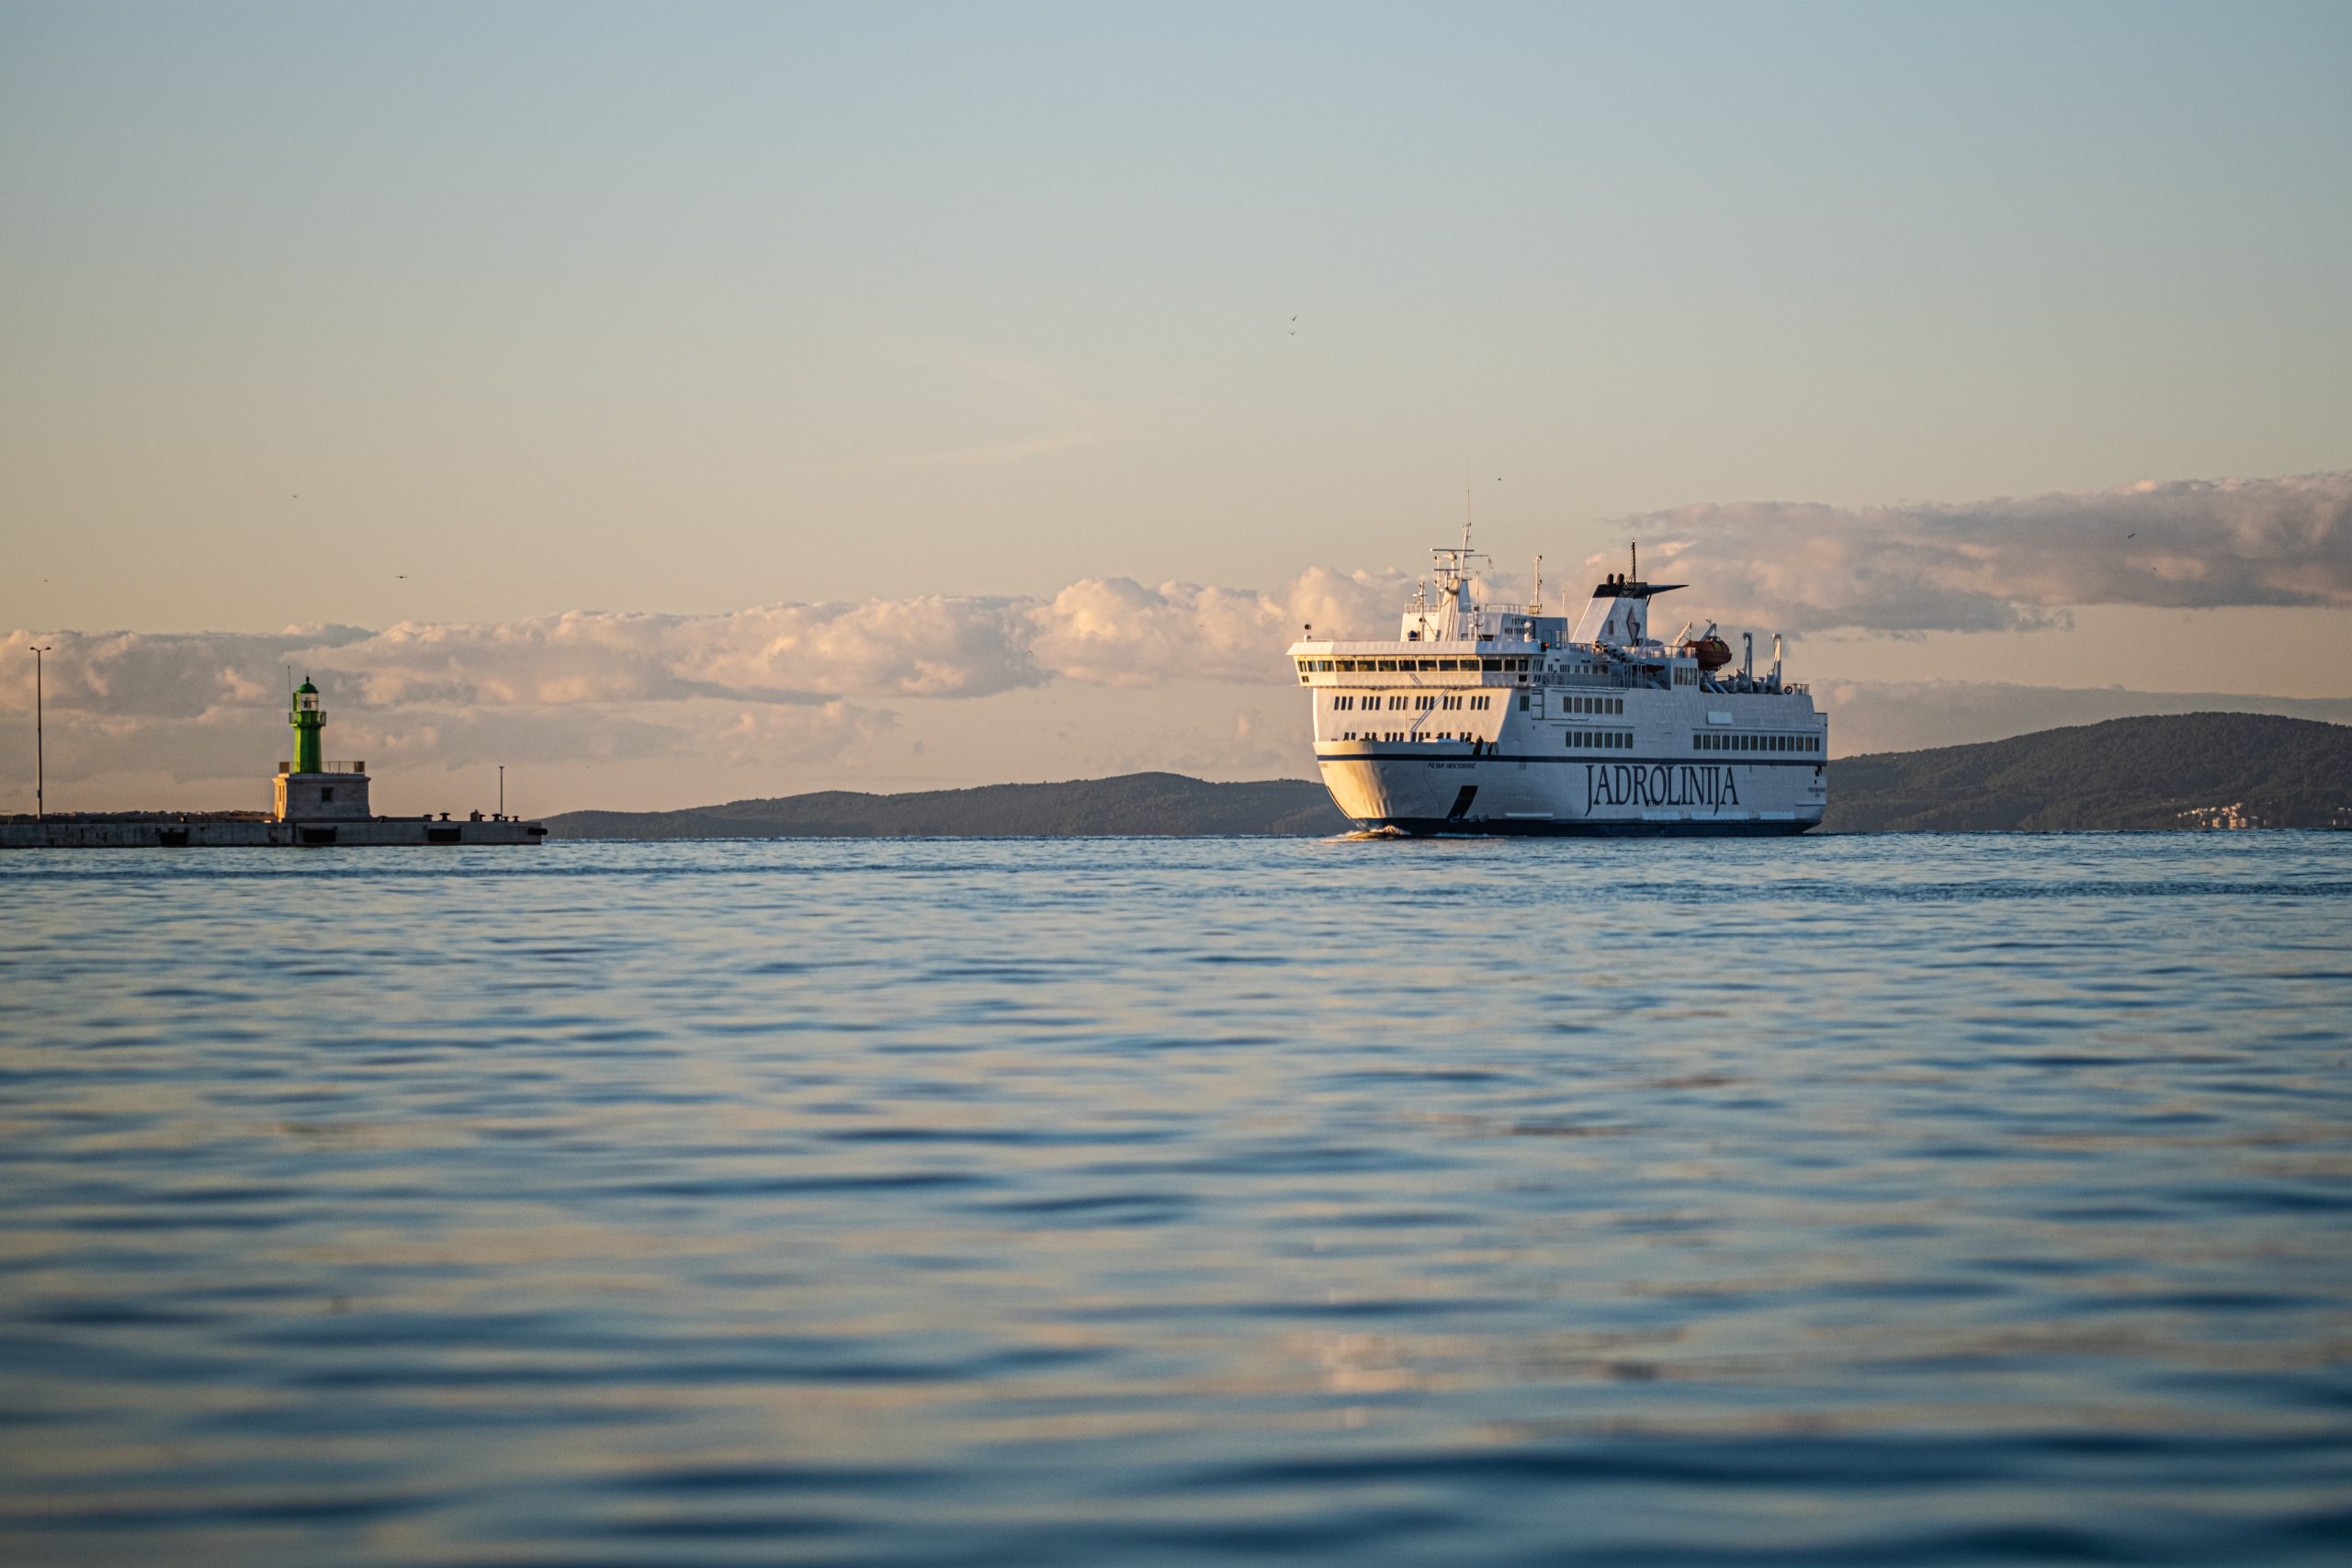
1406 788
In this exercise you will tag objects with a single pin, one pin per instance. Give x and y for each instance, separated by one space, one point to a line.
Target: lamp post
502 789
41 750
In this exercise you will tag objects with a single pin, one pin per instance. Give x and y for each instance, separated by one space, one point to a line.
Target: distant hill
1132 803
2177 770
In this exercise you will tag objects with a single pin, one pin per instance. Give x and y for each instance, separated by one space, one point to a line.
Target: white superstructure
1498 719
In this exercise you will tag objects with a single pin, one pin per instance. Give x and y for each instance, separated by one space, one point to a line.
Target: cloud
1108 631
161 674
933 647
1115 632
780 685
1992 566
2012 563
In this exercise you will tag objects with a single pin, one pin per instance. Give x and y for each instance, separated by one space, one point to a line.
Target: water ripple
1932 1199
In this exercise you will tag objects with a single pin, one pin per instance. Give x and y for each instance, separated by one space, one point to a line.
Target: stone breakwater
172 832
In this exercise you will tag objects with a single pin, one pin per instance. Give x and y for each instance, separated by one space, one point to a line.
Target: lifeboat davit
1712 652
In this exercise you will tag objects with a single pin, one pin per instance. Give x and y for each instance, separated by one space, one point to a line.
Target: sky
689 402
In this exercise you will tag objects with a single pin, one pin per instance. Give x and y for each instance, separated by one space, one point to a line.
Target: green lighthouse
309 718
310 788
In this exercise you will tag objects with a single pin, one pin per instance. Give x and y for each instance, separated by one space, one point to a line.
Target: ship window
327 795
1522 702
1389 664
1494 665
1429 664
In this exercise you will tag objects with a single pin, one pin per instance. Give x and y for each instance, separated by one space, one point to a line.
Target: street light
40 757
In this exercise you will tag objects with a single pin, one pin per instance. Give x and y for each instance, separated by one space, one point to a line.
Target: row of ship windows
1755 742
1579 740
1434 702
1591 704
1350 666
1622 740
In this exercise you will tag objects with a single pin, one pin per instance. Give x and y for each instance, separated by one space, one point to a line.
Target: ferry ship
1498 719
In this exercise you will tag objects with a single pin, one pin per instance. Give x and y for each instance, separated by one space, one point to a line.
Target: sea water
1922 1200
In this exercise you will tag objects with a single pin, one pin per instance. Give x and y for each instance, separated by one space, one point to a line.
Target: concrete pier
191 832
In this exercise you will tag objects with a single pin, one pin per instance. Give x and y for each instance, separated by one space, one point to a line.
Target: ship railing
327 767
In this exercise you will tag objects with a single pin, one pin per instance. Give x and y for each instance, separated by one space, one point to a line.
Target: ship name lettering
1623 783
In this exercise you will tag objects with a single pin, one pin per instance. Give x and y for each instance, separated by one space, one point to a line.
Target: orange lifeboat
1712 652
